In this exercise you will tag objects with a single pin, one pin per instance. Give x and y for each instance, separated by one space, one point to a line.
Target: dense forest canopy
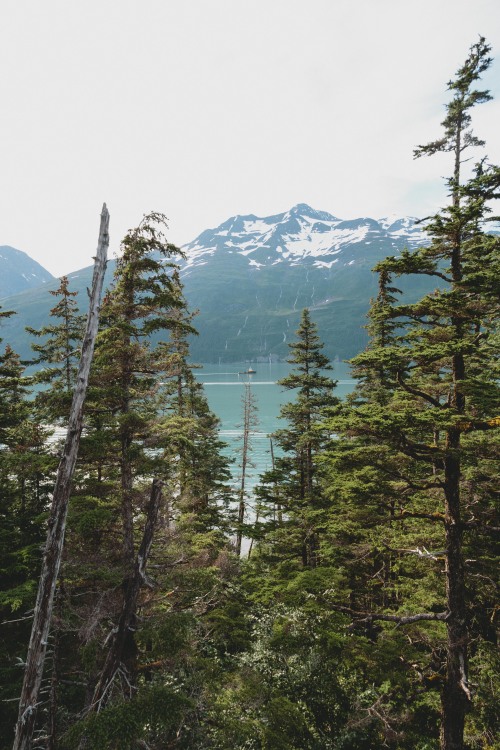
363 613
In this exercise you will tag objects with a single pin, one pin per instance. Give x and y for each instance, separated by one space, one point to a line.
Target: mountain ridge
250 277
19 271
262 271
305 233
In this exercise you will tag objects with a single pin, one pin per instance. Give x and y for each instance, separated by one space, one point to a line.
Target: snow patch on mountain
303 235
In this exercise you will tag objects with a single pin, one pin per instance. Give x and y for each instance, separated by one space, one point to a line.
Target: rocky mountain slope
251 277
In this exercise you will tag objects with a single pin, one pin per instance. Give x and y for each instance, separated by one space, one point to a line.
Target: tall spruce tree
293 486
413 438
58 354
118 462
139 304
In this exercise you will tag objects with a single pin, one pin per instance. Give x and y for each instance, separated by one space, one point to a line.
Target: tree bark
57 521
122 653
456 695
245 451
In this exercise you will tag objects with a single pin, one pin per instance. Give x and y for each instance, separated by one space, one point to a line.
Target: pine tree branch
417 392
413 514
483 527
369 617
477 425
424 272
418 551
20 619
410 486
421 451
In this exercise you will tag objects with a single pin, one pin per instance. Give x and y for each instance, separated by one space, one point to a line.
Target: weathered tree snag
121 656
57 521
250 420
247 414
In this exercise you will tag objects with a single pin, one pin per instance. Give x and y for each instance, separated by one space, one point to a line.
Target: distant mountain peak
303 209
19 271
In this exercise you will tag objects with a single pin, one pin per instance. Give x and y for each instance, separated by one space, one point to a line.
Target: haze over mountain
251 276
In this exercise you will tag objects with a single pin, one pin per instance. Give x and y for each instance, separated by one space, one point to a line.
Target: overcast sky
203 109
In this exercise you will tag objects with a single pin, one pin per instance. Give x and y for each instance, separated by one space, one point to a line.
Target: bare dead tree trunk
249 420
278 513
57 522
120 659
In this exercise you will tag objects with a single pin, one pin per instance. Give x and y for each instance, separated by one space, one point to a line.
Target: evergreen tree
420 468
293 484
118 460
189 430
139 304
58 353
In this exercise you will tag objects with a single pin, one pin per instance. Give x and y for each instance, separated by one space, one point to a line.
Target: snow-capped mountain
251 277
18 271
303 236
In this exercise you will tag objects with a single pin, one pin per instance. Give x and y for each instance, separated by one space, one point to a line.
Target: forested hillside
361 612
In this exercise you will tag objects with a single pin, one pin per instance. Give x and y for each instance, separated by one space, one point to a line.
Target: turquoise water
224 388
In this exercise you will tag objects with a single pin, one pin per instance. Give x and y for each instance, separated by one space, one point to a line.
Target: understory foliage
366 614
